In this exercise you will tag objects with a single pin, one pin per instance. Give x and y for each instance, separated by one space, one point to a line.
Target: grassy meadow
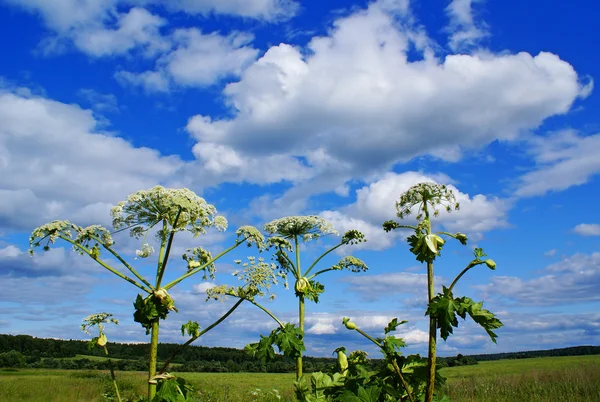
573 378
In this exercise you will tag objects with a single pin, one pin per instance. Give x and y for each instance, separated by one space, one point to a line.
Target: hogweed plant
99 320
168 212
286 235
426 199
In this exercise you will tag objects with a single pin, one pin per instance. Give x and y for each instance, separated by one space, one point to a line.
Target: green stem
320 272
198 269
301 326
153 355
319 259
193 338
112 374
129 267
268 312
431 352
111 269
300 309
396 368
464 271
163 266
161 256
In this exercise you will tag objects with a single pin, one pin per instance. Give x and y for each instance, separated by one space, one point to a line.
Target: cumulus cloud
375 204
354 99
77 171
574 279
563 159
587 229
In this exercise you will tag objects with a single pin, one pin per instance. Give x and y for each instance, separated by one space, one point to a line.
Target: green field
567 379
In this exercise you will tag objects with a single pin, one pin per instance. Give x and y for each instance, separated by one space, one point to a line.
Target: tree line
21 351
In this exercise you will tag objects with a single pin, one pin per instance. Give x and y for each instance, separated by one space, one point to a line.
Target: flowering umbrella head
181 209
426 193
309 227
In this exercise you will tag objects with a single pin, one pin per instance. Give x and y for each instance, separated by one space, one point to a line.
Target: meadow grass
568 379
544 379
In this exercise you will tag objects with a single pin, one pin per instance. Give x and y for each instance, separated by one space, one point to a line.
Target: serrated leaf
443 308
485 318
392 325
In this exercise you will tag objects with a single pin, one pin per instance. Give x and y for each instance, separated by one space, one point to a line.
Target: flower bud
490 263
349 324
102 340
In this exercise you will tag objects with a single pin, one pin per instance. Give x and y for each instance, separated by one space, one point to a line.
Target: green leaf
172 390
314 290
443 308
289 340
392 325
485 318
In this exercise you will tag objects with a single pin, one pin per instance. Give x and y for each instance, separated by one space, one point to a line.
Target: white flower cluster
182 209
50 231
423 194
145 252
309 227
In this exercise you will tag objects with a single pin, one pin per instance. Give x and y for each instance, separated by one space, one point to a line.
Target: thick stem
300 309
431 352
301 325
112 375
153 355
163 266
193 338
161 256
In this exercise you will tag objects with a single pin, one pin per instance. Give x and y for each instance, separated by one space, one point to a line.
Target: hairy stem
152 363
193 338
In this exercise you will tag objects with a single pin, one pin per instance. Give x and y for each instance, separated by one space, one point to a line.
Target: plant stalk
153 355
431 351
112 374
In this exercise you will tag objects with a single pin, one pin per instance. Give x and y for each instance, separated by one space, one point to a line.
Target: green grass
564 379
544 379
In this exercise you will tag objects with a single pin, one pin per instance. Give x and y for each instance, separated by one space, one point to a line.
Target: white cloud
587 229
574 279
322 329
465 30
355 100
197 59
201 288
413 336
563 160
57 165
375 204
137 28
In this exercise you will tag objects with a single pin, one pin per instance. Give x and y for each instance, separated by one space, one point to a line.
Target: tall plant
286 236
168 211
425 199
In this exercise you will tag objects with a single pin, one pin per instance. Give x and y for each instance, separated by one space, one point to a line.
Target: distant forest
21 351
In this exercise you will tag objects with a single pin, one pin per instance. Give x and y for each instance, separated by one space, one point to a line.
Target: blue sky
270 108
